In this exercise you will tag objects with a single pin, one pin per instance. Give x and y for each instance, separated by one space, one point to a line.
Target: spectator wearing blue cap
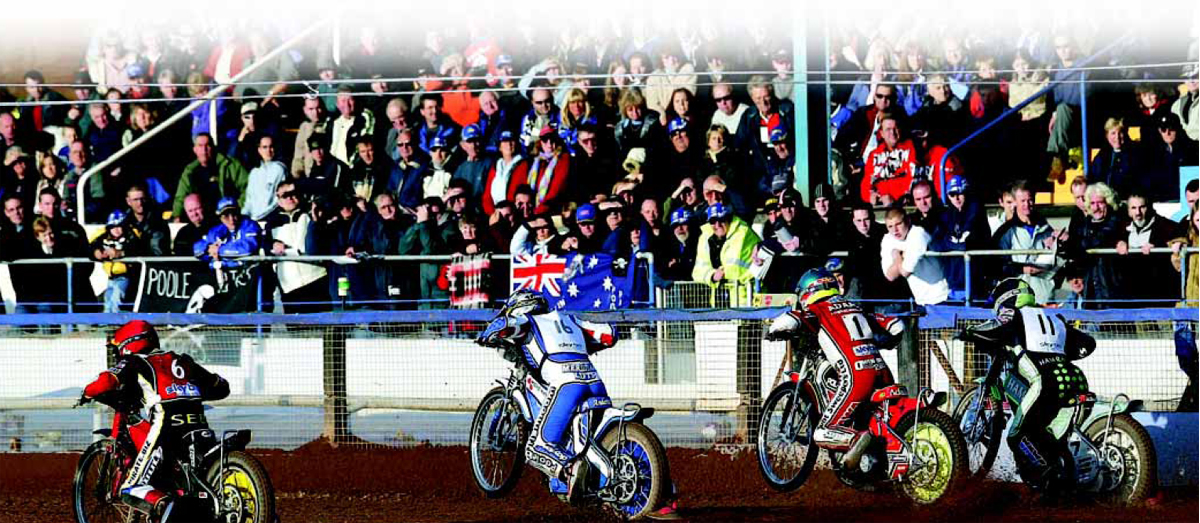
237 236
118 241
475 165
963 226
506 173
725 249
437 177
435 124
681 159
676 256
780 170
587 238
848 283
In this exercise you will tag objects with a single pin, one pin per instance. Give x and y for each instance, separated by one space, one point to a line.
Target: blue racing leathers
555 348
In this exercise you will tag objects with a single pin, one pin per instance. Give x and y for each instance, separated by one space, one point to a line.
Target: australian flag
580 282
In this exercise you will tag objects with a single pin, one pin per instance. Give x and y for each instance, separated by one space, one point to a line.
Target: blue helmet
817 285
115 218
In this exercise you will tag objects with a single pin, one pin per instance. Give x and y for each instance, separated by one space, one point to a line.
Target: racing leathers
168 389
850 340
1039 348
554 348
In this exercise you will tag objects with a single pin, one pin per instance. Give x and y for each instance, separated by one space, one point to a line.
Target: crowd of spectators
603 143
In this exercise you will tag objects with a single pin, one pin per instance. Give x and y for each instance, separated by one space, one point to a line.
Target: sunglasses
289 194
403 144
541 102
728 98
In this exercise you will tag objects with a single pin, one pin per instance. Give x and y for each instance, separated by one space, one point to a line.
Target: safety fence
305 284
403 378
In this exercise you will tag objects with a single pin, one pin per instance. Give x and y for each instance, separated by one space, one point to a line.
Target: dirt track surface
318 484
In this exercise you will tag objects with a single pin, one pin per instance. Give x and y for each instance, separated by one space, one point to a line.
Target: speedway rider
554 348
850 340
169 389
1040 348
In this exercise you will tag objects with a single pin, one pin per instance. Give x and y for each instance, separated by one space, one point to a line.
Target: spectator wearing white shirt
260 189
902 254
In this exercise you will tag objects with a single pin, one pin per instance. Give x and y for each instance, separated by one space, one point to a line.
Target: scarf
541 181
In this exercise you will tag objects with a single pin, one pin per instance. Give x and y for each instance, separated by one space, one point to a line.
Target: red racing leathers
850 340
169 388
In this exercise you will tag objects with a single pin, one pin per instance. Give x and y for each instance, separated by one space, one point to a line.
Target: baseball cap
1169 121
227 204
676 125
135 70
503 60
772 204
437 143
115 218
778 134
249 107
790 198
586 213
957 185
471 132
316 141
716 211
680 216
835 265
507 136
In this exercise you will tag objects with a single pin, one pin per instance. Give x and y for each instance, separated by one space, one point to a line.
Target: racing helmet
817 285
135 337
525 301
1009 295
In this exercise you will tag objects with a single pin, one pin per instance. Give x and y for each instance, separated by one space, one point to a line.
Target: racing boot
576 478
161 513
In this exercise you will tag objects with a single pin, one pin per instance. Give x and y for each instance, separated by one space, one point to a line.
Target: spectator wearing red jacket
890 166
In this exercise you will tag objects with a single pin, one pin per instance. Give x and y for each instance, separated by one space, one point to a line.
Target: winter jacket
735 256
228 179
244 240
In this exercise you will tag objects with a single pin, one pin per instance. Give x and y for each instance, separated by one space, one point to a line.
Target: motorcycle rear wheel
938 445
1130 469
245 488
640 465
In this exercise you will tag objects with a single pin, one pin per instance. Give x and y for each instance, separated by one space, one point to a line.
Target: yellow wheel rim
238 485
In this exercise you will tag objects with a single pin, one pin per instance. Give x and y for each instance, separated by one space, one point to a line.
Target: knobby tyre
939 453
1132 463
94 496
786 450
640 465
985 434
245 489
497 444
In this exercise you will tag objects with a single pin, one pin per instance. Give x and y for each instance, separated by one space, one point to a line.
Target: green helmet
817 285
1011 294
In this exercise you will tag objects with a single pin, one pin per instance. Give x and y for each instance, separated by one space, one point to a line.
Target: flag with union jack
538 272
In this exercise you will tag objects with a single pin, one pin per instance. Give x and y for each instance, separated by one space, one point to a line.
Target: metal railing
1042 92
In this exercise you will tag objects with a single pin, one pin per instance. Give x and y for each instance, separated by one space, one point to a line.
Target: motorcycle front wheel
247 495
939 455
786 449
983 430
641 475
497 444
1130 463
94 493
